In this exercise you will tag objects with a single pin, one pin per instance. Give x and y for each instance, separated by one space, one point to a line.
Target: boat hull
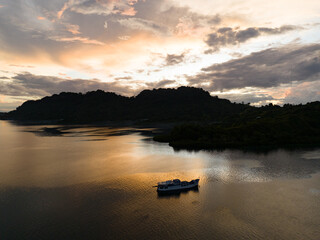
161 191
179 187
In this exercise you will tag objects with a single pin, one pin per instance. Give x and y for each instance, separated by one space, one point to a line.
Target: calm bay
90 182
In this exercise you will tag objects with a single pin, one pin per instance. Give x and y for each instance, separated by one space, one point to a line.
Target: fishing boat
176 185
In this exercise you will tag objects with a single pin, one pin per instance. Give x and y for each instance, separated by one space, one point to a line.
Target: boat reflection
177 193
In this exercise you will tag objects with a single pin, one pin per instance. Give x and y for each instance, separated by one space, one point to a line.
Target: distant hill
181 104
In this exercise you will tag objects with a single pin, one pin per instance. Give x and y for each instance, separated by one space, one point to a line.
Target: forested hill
182 104
267 126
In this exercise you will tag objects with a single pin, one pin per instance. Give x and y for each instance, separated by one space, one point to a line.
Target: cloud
21 66
233 36
178 19
27 84
173 59
144 25
24 37
123 78
160 84
64 8
252 98
267 68
129 12
99 7
68 27
124 38
303 93
74 29
8 106
77 39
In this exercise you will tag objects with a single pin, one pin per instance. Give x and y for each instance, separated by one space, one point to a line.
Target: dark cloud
27 84
123 78
253 98
232 36
160 84
173 59
267 68
215 20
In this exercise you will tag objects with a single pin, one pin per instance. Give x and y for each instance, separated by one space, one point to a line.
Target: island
197 119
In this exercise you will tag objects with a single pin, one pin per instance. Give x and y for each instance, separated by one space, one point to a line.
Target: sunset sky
243 50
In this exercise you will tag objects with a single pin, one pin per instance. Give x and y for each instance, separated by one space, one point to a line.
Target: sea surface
86 182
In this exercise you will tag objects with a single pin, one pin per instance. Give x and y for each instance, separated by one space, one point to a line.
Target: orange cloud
41 18
65 7
124 38
120 56
74 29
2 99
132 2
129 12
79 39
107 57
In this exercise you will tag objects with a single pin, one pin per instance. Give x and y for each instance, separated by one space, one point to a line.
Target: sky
250 51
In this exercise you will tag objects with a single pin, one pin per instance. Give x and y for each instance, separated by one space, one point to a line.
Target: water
96 183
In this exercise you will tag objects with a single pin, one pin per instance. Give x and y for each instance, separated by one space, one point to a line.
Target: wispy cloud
64 8
100 7
144 25
77 39
129 12
74 29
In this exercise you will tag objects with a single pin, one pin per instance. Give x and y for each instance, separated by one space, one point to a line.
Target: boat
177 185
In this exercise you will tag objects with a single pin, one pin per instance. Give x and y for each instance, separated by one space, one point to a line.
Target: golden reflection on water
31 160
94 154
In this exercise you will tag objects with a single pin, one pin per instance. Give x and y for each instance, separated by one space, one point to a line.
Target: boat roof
165 183
172 182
